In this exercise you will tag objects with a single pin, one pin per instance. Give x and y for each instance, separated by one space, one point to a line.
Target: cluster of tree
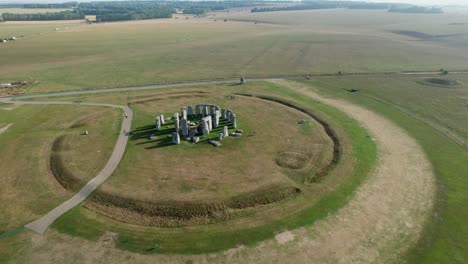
65 15
417 10
161 12
61 5
197 8
321 4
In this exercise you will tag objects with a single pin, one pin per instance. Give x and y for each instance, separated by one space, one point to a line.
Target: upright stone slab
176 122
225 132
228 114
185 127
197 110
212 110
223 113
210 123
158 123
192 133
175 138
184 113
205 128
216 119
234 121
162 119
190 110
220 136
206 125
205 110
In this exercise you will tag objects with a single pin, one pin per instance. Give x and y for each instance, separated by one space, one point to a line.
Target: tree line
64 15
320 4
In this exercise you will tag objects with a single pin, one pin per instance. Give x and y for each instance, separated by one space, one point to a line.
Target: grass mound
292 160
177 213
58 167
439 82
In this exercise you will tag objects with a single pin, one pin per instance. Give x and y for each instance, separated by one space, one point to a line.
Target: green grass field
170 50
445 235
28 188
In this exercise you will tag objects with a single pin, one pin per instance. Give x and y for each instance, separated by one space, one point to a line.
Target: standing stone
210 123
185 127
212 110
205 128
190 110
225 131
234 123
192 133
184 113
158 123
242 80
197 110
220 136
175 138
223 113
205 110
216 119
228 114
176 122
162 119
206 125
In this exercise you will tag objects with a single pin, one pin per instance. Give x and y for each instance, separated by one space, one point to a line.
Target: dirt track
382 220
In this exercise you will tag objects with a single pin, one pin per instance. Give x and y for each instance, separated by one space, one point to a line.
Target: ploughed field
159 183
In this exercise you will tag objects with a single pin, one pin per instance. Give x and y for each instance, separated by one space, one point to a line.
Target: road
42 224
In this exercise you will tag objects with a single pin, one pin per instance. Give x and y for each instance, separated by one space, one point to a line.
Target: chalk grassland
444 238
28 189
145 52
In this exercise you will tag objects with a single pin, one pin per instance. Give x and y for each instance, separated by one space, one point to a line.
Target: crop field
172 50
354 146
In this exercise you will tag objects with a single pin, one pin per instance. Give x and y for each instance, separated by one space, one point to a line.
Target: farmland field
170 50
353 149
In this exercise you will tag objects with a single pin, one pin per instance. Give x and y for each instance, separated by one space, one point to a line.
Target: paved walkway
40 225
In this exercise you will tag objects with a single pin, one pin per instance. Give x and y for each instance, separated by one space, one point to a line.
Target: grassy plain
170 50
28 189
442 106
444 238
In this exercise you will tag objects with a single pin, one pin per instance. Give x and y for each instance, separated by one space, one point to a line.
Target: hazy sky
418 2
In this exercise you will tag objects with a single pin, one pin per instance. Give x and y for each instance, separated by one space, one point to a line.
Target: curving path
42 224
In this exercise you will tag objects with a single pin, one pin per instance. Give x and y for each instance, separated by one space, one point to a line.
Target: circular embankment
191 184
379 223
439 82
